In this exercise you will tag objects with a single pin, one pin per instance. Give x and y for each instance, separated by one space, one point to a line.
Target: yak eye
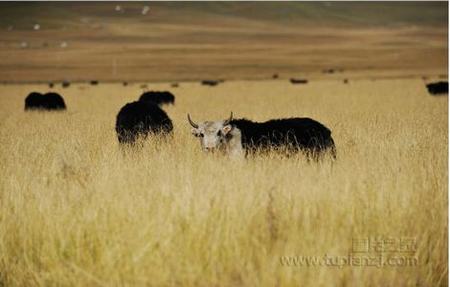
201 135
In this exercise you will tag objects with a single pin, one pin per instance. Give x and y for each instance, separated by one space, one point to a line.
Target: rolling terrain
178 41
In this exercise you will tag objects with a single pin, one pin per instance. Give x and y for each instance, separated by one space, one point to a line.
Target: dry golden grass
75 211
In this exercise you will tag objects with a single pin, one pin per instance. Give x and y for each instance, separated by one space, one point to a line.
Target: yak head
216 135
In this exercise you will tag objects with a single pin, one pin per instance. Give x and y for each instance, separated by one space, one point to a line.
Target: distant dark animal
298 81
48 101
158 97
65 84
50 85
211 83
94 83
140 119
241 136
33 101
275 76
438 88
345 81
125 84
328 71
174 85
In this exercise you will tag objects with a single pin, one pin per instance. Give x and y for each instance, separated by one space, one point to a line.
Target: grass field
76 211
179 41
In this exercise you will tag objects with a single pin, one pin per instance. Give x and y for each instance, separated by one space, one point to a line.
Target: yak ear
226 129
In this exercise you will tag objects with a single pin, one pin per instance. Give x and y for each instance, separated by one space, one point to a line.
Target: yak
298 81
438 88
139 119
239 137
48 101
211 83
158 97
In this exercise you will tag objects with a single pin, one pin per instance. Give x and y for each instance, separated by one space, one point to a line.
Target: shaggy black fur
294 133
48 101
158 97
140 119
438 88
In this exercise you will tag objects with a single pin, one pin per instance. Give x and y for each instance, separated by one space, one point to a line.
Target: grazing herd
235 137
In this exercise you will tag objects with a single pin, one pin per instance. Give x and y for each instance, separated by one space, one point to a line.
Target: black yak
65 84
438 88
298 81
158 97
241 136
48 101
94 82
139 119
210 82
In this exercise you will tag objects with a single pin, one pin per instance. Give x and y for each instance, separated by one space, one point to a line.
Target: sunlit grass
76 210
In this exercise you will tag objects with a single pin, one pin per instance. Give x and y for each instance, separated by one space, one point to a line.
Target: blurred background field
76 211
115 41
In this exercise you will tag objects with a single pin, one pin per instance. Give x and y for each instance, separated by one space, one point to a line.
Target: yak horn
191 122
229 120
